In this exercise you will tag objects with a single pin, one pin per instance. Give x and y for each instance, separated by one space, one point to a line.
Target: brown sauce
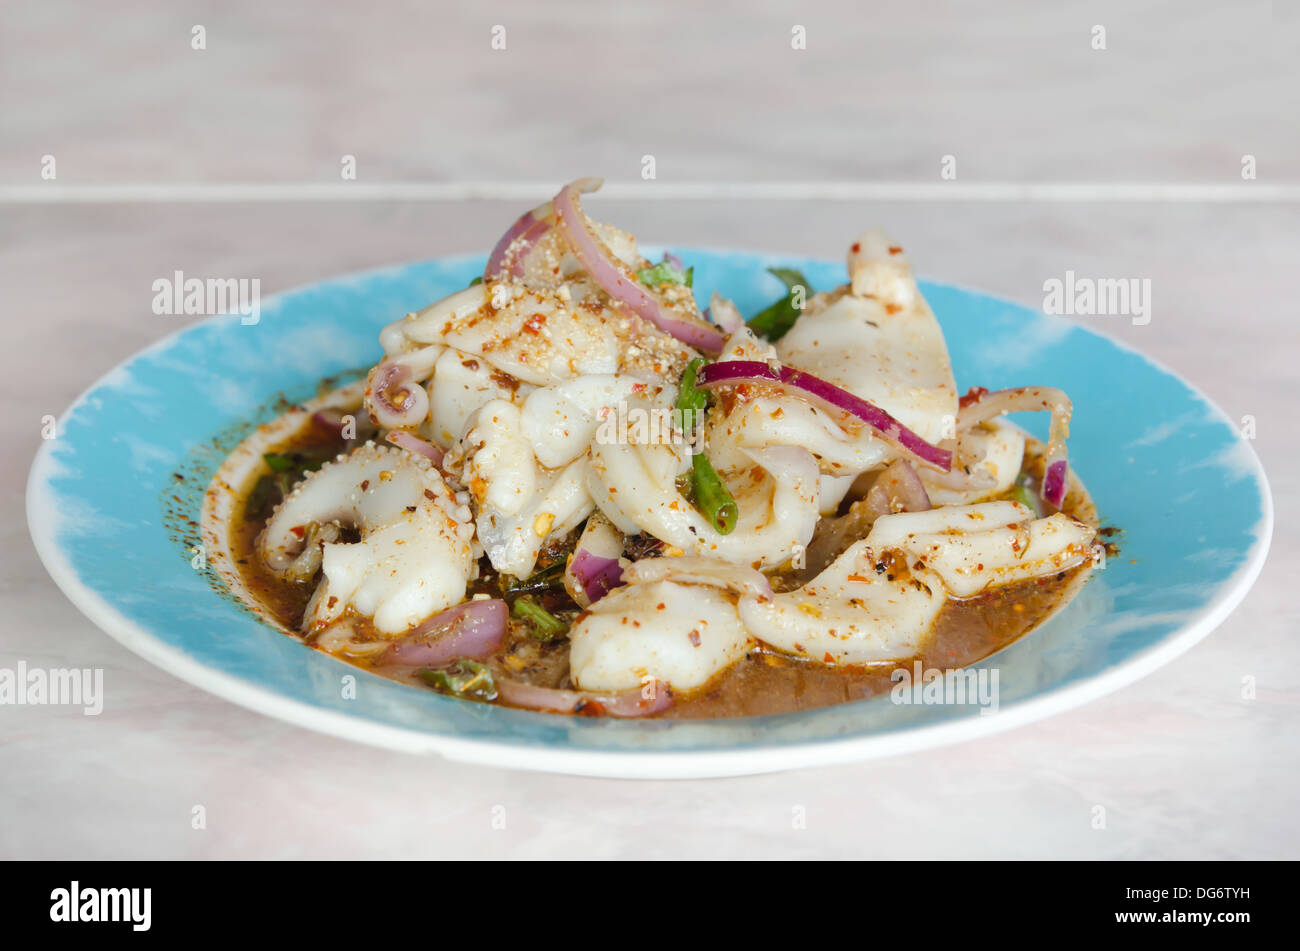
764 681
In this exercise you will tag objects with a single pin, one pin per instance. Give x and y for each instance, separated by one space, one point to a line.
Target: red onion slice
979 405
471 629
510 253
595 568
598 576
614 277
624 703
830 397
413 443
1056 482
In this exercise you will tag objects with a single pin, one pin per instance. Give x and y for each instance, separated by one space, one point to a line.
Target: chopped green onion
478 280
711 496
463 678
774 322
546 626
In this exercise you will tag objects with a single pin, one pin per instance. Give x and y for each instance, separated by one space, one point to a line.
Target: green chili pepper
544 579
463 678
691 400
711 495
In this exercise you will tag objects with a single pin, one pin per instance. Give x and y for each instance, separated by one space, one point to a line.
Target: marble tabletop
1017 93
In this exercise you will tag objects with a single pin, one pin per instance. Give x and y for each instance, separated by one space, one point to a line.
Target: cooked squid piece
765 420
878 601
414 555
975 547
776 494
986 463
681 635
878 339
851 613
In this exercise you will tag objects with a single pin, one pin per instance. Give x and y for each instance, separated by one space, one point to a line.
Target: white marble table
1183 765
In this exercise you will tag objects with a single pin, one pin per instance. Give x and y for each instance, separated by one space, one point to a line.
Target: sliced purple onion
625 703
615 278
413 443
473 629
598 576
511 252
828 396
1056 482
595 568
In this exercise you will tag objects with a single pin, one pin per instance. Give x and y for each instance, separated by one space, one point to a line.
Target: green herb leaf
287 468
297 462
665 273
775 321
545 625
789 277
478 280
463 678
264 497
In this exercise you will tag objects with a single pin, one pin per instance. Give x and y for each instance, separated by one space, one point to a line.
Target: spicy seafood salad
566 488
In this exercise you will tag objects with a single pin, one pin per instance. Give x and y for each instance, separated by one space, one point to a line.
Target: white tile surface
1183 765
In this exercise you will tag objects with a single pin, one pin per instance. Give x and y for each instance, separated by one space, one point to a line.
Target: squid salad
568 488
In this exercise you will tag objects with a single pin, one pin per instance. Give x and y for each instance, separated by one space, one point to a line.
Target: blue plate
109 518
